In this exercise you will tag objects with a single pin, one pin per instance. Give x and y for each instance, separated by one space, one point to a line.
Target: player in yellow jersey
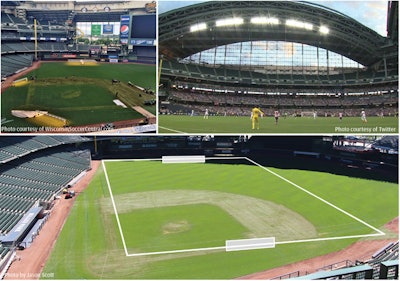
255 114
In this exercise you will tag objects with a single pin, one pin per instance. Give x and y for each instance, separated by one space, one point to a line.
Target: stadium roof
344 35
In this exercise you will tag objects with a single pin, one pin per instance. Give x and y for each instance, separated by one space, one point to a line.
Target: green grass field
82 95
180 206
218 124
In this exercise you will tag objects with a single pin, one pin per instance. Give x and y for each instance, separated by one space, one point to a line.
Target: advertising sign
108 29
96 29
125 28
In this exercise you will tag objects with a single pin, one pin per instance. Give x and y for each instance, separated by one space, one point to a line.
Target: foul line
317 197
115 208
172 130
177 251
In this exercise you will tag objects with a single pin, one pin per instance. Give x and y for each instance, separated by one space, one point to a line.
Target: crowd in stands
380 101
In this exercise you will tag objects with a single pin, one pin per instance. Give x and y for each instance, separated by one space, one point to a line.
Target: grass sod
219 124
86 97
83 104
90 246
141 75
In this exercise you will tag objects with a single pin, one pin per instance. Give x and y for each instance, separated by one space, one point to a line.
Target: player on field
363 116
206 114
255 114
340 116
276 115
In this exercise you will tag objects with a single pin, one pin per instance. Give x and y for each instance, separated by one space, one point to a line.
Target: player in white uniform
206 114
363 116
276 115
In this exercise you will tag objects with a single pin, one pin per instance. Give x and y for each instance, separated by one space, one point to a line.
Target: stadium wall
269 151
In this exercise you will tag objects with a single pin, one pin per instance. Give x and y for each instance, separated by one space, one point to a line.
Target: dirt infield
362 251
30 262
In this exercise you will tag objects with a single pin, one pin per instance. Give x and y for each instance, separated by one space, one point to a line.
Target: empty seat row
8 221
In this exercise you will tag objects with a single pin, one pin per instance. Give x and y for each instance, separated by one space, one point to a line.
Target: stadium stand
382 265
33 171
210 68
57 32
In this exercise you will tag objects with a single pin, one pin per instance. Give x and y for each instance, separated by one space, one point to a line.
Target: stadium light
198 27
299 24
323 29
229 21
264 20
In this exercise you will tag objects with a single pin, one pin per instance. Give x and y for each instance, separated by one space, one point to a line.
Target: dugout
22 228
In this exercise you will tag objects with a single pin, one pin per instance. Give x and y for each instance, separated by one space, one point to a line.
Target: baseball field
80 95
171 124
144 219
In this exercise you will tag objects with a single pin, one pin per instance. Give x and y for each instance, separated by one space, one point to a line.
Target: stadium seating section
35 169
382 101
223 74
17 54
388 253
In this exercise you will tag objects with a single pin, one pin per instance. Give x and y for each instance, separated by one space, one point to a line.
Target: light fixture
229 21
198 27
299 24
323 29
264 20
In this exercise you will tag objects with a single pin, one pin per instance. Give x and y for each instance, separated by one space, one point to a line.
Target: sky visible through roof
370 13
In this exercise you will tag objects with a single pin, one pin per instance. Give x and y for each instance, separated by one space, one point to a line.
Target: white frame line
319 198
115 208
379 232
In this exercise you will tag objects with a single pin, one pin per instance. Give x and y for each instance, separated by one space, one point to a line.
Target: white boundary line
172 130
115 208
379 232
316 196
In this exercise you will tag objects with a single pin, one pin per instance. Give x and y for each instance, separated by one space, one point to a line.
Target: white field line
132 160
319 198
380 233
177 251
172 130
329 238
115 208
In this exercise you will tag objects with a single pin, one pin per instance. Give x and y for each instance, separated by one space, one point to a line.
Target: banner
108 29
96 30
143 42
125 28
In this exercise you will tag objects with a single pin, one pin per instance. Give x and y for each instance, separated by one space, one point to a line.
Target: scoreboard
138 30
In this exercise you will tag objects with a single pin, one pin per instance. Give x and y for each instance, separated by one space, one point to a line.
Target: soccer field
82 95
171 124
149 220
